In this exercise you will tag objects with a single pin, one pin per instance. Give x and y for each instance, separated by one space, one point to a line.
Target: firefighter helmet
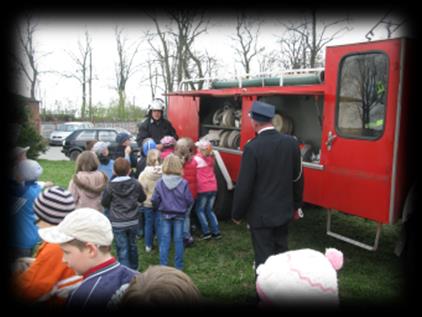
156 104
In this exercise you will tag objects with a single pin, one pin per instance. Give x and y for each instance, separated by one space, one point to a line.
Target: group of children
103 207
74 263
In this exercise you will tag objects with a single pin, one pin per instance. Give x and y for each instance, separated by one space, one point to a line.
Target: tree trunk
83 108
90 85
314 48
121 106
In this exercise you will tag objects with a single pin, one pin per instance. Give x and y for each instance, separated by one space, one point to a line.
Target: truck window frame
340 130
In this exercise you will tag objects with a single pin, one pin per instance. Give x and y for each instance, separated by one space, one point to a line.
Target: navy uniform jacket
270 184
156 130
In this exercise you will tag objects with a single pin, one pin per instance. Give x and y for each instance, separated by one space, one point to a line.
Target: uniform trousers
267 241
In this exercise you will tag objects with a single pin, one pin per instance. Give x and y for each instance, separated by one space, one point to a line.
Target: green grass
59 172
223 269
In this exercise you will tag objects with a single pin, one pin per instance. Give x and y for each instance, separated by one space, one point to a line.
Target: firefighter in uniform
155 126
269 188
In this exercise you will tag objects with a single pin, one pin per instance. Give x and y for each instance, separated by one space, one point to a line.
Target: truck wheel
224 199
74 155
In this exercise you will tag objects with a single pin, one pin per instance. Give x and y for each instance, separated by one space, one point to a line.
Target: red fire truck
350 119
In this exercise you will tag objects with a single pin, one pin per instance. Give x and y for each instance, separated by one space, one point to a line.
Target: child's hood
171 181
93 182
152 172
123 186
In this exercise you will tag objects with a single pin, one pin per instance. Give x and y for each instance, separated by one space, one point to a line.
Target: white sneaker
148 249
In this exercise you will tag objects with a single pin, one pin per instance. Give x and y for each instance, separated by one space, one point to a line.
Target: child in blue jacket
171 198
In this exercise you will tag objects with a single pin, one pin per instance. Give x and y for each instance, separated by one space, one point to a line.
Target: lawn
223 269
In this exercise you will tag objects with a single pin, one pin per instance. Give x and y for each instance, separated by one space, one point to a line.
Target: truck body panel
351 128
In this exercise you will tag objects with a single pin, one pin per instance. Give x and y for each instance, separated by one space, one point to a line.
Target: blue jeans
126 246
186 223
204 206
165 239
152 221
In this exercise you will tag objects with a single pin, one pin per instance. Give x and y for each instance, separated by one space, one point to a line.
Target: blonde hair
87 161
153 157
172 165
161 285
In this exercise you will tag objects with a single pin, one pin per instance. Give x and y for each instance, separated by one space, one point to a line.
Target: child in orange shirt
48 279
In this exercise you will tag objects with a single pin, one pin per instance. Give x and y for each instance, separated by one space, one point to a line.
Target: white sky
58 36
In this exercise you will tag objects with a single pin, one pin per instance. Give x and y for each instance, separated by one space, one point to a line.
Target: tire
74 155
224 199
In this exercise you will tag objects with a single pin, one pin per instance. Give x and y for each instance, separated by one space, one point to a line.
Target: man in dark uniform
155 126
270 184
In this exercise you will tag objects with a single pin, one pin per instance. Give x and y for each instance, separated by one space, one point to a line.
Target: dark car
75 143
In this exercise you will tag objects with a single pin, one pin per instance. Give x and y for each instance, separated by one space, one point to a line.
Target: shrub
29 136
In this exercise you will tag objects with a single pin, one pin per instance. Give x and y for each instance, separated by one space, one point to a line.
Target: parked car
65 129
75 143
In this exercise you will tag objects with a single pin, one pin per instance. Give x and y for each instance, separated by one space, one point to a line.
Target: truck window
361 98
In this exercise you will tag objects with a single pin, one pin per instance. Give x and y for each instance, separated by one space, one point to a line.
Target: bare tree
211 65
163 53
246 40
90 85
124 67
190 24
26 58
83 73
175 51
269 62
316 37
152 77
293 51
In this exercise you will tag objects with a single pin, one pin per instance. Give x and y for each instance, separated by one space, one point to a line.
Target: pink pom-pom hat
335 257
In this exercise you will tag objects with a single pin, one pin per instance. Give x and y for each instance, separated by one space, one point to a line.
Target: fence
48 127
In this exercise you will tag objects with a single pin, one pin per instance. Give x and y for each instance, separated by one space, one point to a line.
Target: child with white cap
47 279
299 278
85 236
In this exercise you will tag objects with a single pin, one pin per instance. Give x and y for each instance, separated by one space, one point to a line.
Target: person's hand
128 150
297 214
236 221
48 184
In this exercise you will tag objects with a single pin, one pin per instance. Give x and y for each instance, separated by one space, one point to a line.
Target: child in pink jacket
207 191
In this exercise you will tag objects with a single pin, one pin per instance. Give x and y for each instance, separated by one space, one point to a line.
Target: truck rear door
358 137
183 114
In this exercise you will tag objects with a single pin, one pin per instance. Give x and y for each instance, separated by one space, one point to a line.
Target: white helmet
156 104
